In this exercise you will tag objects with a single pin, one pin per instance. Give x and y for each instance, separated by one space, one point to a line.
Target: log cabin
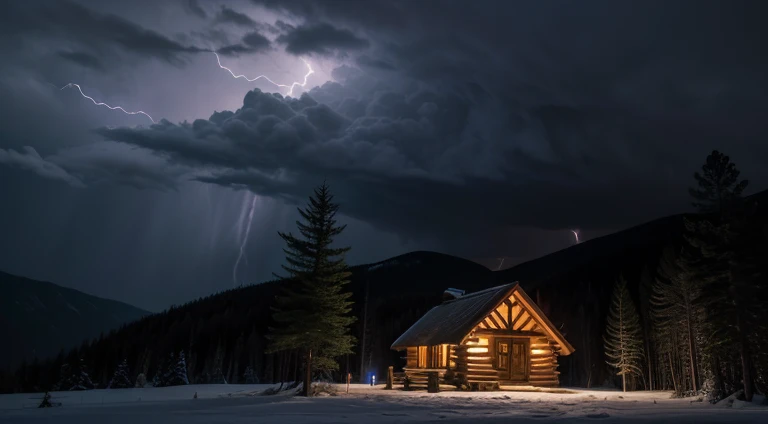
484 340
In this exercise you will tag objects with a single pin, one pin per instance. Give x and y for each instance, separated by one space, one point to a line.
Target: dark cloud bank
460 125
480 128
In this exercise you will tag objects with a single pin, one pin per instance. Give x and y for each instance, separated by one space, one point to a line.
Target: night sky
480 129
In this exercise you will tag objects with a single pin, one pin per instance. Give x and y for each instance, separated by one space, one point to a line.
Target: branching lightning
576 234
290 87
139 112
244 241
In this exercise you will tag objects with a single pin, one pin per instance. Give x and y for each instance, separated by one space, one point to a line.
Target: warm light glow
483 341
539 351
477 350
444 355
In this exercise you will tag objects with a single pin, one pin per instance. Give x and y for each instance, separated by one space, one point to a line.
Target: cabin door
511 359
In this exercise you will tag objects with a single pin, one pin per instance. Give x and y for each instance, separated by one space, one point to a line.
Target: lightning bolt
290 87
244 241
576 234
500 264
139 112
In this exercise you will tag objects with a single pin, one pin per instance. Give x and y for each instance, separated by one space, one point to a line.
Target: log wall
412 357
474 364
543 362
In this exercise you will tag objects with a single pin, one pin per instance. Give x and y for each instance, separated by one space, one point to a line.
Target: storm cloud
194 8
94 32
252 42
483 130
232 16
321 38
30 160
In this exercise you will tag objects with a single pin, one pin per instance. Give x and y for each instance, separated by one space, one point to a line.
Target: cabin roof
452 320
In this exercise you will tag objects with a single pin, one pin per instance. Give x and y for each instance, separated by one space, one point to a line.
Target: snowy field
365 404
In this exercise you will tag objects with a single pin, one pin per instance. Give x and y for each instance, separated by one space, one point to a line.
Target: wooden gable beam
528 326
517 318
493 320
530 317
510 304
501 319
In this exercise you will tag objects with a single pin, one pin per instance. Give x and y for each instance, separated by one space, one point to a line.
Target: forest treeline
224 335
704 323
696 283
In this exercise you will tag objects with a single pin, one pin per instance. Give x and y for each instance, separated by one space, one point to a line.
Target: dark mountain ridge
38 319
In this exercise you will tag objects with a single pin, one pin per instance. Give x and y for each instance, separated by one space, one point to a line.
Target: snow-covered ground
365 404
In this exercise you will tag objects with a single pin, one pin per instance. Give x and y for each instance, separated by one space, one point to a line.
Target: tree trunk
280 360
746 368
285 366
692 349
672 373
717 375
305 391
296 366
648 355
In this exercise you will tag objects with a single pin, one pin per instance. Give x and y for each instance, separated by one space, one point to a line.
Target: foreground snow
371 405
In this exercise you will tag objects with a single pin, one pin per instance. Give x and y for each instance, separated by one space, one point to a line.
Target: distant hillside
39 318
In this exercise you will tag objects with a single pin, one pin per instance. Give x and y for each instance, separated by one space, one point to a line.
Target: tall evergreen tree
312 314
623 334
718 185
121 379
721 252
676 311
734 292
217 373
177 372
74 376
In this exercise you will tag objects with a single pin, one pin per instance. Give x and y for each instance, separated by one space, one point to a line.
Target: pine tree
623 334
718 185
75 377
734 292
121 379
176 375
312 314
676 310
161 376
217 375
46 402
723 254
